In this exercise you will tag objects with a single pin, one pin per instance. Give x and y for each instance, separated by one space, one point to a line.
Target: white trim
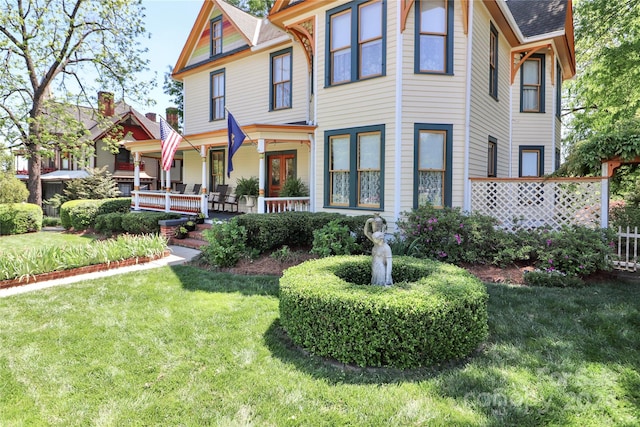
398 136
467 108
270 43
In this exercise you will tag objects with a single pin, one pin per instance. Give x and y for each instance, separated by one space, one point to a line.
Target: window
280 80
217 96
492 158
353 159
493 62
434 36
532 85
432 157
356 42
216 36
558 91
531 160
65 161
217 169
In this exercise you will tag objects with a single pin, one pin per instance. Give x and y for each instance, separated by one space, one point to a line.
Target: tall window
216 36
217 95
492 157
353 159
356 41
280 80
433 163
532 85
434 36
493 62
531 160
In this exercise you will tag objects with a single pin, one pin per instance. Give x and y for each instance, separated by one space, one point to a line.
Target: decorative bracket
516 64
304 32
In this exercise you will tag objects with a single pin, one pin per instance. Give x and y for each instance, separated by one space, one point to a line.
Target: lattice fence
536 202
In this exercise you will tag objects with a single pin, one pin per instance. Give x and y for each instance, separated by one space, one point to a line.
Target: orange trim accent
530 51
465 16
405 9
304 32
194 35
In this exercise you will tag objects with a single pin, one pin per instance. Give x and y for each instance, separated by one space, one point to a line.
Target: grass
20 242
182 346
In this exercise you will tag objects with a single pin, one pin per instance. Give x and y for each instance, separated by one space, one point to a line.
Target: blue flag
236 137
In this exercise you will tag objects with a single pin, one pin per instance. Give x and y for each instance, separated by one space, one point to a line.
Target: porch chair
218 197
196 188
231 200
180 188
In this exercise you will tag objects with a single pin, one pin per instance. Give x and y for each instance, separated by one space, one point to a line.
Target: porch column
167 199
204 208
136 181
261 176
604 196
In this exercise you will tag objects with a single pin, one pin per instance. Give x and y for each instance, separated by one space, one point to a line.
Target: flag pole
243 132
188 142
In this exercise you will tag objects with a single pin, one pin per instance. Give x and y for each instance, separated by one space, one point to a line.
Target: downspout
313 188
398 133
467 120
553 122
511 131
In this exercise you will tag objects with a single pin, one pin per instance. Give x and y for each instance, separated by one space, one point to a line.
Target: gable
232 39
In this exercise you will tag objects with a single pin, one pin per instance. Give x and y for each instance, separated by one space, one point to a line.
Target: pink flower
458 239
548 242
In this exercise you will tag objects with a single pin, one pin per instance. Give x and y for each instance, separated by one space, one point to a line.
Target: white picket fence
627 253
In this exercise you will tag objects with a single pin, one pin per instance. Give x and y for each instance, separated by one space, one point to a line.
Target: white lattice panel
527 202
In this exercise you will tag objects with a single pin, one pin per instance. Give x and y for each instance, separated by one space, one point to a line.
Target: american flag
170 141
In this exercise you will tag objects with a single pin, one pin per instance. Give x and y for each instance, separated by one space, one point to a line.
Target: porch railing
286 204
536 202
189 204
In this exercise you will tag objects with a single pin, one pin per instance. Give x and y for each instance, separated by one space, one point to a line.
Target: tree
98 185
55 55
605 90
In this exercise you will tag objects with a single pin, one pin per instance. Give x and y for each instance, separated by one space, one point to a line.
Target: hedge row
82 214
20 218
131 222
435 311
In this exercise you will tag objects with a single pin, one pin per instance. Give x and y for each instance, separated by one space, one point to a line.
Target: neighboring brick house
377 105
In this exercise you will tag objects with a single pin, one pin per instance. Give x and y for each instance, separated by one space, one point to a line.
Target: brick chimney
105 104
172 117
151 116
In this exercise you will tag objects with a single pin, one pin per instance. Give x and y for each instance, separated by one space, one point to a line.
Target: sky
169 22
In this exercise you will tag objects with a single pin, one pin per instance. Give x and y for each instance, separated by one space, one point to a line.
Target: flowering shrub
575 250
448 235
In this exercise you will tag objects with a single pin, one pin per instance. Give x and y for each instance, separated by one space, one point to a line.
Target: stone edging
10 283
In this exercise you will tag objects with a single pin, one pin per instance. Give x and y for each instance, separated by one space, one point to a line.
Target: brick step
189 242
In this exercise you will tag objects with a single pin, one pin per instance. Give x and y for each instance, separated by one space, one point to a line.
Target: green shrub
145 222
552 278
50 221
333 239
83 215
109 223
435 312
227 244
576 250
20 218
120 204
12 190
65 208
450 235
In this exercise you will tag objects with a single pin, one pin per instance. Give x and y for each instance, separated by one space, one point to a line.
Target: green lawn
21 242
182 346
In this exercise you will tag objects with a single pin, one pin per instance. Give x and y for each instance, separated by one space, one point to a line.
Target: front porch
193 204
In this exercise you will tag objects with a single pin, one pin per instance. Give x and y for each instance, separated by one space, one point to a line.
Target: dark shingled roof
536 17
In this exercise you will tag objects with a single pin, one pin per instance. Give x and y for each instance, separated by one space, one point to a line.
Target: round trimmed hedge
433 313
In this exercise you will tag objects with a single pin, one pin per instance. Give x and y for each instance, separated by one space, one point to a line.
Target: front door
281 166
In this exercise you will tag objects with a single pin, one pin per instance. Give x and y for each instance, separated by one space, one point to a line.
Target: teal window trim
353 166
493 65
524 148
535 57
558 91
272 92
493 158
217 19
224 96
354 7
448 129
448 40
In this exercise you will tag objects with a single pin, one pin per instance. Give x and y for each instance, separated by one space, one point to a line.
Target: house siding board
489 117
246 93
231 39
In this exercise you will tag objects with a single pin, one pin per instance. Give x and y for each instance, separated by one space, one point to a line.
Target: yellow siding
246 93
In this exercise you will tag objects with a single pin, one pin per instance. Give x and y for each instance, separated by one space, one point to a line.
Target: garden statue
381 262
